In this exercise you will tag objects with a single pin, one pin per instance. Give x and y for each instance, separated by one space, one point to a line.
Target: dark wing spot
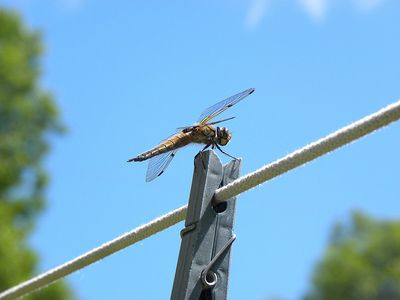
229 105
172 154
160 173
252 91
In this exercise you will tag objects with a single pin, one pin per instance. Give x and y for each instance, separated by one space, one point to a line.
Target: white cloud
317 9
367 5
72 4
256 13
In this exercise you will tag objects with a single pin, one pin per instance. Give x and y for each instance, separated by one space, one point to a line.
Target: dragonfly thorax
223 136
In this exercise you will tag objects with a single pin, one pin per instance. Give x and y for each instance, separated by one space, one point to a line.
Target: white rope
299 157
96 254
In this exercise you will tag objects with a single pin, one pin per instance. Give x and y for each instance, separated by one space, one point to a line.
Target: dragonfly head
223 136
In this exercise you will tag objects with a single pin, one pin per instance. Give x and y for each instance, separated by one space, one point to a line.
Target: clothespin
203 266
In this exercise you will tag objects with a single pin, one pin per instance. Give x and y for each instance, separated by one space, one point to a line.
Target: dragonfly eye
223 136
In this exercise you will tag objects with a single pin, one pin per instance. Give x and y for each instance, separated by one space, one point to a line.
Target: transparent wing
221 106
158 164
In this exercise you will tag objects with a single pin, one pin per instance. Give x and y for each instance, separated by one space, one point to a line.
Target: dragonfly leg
219 148
205 147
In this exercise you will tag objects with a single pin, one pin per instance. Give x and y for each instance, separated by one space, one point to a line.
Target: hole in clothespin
210 279
220 207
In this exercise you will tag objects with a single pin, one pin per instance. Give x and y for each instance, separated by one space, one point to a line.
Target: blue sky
126 74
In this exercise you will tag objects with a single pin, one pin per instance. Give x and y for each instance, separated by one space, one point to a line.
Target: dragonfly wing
221 106
158 164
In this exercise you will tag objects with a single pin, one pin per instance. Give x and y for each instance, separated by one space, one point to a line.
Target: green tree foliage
27 115
361 262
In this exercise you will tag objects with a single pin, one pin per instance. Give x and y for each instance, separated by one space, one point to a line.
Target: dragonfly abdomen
174 142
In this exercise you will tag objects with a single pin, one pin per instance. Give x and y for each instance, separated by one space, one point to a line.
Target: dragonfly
203 132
